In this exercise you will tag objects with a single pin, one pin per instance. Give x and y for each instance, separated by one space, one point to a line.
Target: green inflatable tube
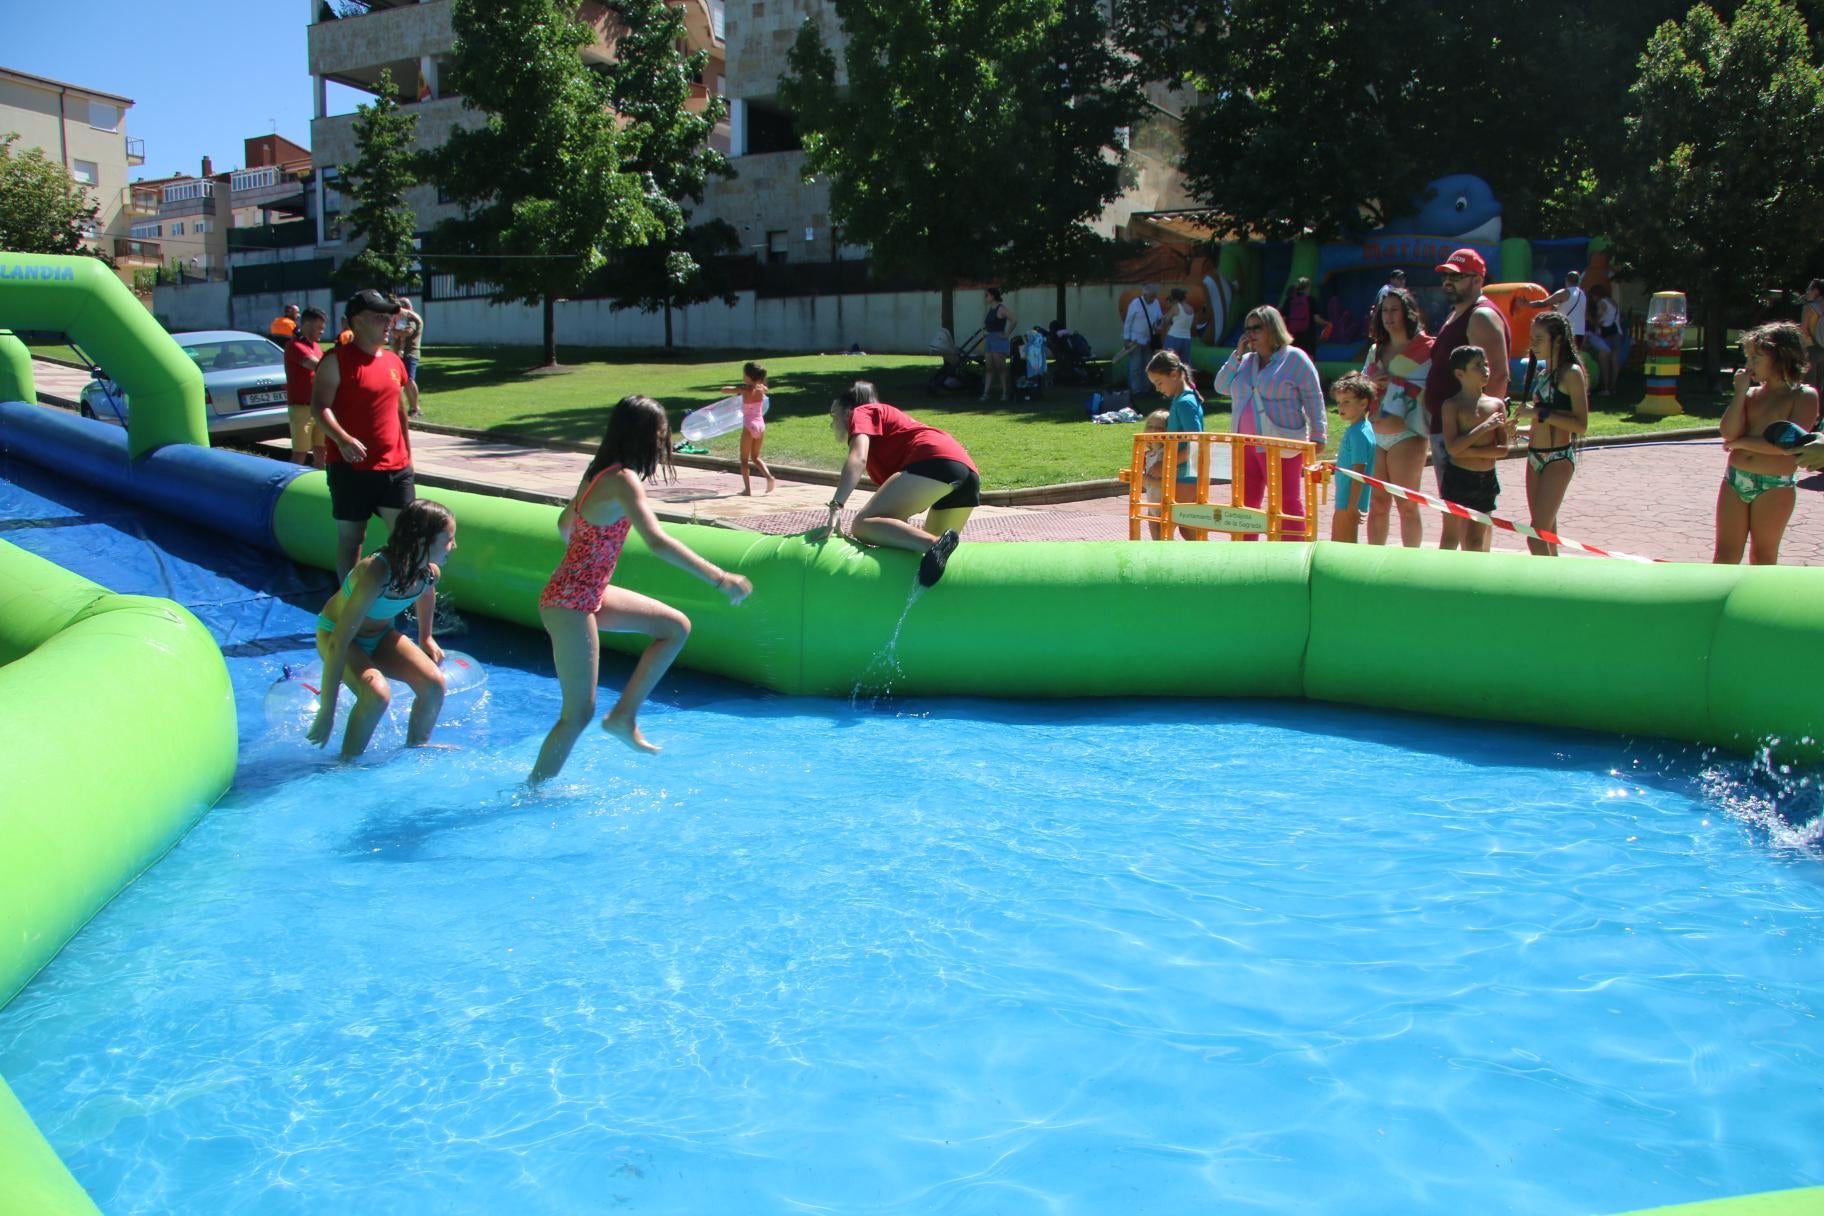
81 297
1805 1201
1722 655
16 380
1516 261
83 673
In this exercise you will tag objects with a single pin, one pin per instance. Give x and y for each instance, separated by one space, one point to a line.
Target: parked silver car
243 383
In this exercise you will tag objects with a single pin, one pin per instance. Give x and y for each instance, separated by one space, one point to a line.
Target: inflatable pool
1720 656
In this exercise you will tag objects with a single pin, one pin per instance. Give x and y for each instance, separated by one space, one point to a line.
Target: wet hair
754 372
1270 316
1784 342
1162 417
1564 349
638 438
1463 356
859 393
1354 384
408 549
1409 304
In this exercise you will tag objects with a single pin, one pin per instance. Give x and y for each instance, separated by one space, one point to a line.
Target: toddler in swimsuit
753 426
579 601
361 647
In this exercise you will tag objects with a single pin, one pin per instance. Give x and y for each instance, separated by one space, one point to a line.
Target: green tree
668 147
974 139
542 180
383 170
42 209
1315 117
1718 187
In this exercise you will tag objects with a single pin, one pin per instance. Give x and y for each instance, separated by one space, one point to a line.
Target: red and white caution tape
1462 512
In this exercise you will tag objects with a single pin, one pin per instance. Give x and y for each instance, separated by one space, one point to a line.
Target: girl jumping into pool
1560 416
1757 495
361 647
578 602
918 469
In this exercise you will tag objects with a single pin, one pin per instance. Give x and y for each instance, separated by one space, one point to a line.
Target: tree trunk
947 311
550 331
668 325
1714 333
1062 317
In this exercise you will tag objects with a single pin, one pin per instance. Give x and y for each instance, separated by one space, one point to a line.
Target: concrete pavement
1655 500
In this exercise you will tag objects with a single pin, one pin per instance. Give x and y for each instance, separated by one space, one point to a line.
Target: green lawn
1017 444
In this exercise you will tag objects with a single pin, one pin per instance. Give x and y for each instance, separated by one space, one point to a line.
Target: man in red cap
1474 321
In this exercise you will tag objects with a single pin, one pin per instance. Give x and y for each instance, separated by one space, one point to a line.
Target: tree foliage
973 139
384 168
667 145
1718 186
542 181
42 209
1310 115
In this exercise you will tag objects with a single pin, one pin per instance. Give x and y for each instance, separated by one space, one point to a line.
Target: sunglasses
1253 329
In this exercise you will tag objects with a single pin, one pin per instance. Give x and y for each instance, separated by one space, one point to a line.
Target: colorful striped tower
1664 353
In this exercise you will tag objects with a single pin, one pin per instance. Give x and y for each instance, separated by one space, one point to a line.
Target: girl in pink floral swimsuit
579 601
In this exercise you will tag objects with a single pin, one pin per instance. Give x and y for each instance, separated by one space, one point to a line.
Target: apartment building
190 225
413 39
85 130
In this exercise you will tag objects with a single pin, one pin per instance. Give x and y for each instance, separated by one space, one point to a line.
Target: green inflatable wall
1707 654
16 380
87 674
1805 1201
81 297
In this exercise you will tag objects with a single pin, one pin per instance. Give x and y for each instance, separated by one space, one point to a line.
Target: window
177 229
103 116
202 226
148 232
775 246
185 191
85 171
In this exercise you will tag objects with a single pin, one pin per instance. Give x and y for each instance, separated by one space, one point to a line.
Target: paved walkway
1655 500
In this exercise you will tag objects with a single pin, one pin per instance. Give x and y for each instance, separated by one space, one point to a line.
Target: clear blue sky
203 76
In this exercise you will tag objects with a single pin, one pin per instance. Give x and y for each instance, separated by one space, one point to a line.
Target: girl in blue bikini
361 647
1560 416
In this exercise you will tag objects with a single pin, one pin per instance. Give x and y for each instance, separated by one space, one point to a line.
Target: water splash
1782 802
877 678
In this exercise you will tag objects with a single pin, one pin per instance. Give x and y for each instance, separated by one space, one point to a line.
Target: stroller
1070 355
1031 384
963 366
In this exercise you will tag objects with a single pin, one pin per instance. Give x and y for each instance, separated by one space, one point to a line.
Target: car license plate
251 399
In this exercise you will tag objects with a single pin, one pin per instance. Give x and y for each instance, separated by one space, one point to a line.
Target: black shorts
1471 488
356 494
965 485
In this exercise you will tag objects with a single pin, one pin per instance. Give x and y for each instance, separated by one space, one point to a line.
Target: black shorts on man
356 495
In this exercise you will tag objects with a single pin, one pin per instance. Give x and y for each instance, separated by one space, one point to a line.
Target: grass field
1017 444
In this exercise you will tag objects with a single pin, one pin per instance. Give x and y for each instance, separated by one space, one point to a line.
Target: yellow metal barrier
1200 515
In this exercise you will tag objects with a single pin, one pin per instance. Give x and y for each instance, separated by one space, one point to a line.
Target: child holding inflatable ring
578 601
360 645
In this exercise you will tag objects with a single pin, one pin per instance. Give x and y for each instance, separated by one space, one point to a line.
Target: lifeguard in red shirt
918 469
359 401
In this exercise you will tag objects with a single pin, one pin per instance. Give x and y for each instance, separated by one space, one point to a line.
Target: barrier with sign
1234 515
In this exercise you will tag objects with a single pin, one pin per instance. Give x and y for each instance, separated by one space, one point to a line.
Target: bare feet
627 731
747 491
771 485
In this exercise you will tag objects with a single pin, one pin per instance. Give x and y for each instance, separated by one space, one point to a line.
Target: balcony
183 192
136 151
272 236
352 50
139 200
332 140
141 251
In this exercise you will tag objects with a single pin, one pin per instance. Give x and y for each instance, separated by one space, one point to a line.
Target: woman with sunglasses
1276 392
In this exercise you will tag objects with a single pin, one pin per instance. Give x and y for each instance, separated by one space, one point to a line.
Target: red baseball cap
1464 261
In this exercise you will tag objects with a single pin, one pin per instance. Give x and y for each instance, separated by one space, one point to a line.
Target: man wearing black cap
1474 321
360 403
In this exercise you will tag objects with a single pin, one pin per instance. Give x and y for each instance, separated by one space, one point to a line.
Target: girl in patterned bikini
1757 496
1560 415
578 602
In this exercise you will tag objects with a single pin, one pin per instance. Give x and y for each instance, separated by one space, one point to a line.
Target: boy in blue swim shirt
1354 397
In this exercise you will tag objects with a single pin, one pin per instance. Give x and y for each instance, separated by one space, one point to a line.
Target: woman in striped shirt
1276 392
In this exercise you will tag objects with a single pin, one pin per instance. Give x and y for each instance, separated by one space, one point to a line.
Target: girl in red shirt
918 469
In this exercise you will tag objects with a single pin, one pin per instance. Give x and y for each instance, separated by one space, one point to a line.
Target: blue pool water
940 956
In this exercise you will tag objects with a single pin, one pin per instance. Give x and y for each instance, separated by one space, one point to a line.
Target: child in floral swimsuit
579 600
